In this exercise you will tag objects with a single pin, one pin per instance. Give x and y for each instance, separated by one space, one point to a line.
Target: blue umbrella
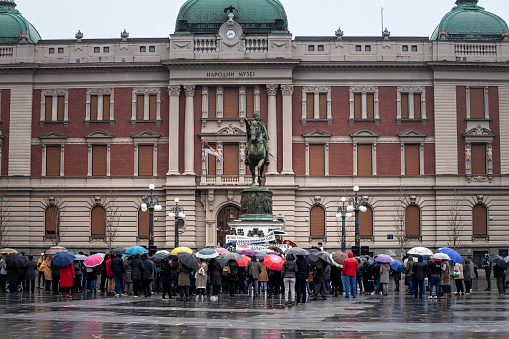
455 256
397 266
63 258
136 250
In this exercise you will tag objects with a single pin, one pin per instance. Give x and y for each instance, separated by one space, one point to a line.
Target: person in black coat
30 267
319 279
136 273
301 278
215 272
174 265
420 271
233 276
165 271
118 269
91 278
147 273
55 272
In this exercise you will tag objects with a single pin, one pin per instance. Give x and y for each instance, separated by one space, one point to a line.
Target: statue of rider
260 127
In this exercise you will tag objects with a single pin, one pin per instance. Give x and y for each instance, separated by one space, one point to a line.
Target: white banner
243 240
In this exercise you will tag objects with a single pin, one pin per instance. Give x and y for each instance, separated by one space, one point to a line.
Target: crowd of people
297 282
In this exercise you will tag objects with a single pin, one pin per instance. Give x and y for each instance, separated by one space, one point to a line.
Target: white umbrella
420 251
442 256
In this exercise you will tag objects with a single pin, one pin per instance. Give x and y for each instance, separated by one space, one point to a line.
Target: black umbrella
499 261
119 250
14 261
188 260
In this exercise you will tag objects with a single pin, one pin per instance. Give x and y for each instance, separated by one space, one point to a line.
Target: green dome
467 21
206 16
12 24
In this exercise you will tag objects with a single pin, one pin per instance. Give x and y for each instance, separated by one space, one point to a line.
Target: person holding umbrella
487 268
499 274
385 269
301 278
434 270
30 268
165 271
147 273
319 279
118 269
233 275
3 273
215 278
201 279
40 268
458 278
14 264
288 274
48 273
66 279
445 277
253 271
183 280
419 273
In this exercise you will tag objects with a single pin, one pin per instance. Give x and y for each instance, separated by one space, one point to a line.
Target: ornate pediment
53 135
317 133
146 134
479 131
98 135
364 132
230 130
412 133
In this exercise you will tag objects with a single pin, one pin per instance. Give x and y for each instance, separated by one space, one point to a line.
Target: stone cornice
470 67
95 68
360 66
231 64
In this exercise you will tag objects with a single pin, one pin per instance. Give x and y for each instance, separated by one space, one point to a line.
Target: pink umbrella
221 250
93 260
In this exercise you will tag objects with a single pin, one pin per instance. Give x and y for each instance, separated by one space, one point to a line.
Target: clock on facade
231 33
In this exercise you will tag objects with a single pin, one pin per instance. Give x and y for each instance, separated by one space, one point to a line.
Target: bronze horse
256 151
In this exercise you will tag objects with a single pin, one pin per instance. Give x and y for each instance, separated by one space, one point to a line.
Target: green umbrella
207 253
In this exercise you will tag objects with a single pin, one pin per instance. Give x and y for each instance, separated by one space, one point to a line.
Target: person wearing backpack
289 274
232 275
254 269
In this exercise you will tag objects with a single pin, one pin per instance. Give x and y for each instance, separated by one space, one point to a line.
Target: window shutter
370 99
50 217
231 159
412 163
358 105
139 107
93 107
152 107
478 158
310 106
60 108
480 220
413 221
404 106
99 160
477 103
98 221
231 102
48 108
366 223
143 223
417 106
145 160
364 159
316 160
249 102
106 107
317 223
323 105
53 161
212 161
212 102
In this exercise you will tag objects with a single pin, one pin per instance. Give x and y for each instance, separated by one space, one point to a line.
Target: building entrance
227 214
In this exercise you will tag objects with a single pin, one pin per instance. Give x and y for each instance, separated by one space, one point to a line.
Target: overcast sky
61 19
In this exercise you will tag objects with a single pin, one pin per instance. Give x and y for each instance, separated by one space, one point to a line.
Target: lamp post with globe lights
151 204
357 204
342 213
177 212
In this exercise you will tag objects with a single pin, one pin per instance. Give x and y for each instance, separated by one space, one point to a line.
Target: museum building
416 122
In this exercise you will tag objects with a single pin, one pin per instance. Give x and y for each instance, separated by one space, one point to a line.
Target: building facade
416 123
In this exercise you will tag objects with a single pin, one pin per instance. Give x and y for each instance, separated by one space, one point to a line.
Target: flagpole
382 15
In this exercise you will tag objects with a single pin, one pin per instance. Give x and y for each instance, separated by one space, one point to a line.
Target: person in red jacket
66 280
350 267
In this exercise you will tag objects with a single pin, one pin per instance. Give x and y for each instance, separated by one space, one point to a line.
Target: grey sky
61 19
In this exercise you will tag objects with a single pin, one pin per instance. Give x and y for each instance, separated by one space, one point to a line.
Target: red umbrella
274 262
243 262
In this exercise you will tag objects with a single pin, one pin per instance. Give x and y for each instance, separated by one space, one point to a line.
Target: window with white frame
54 106
316 104
364 104
145 153
230 102
477 103
100 106
52 154
99 153
317 152
412 152
479 154
364 152
411 104
146 105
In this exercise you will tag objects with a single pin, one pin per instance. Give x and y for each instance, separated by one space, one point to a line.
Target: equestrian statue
257 147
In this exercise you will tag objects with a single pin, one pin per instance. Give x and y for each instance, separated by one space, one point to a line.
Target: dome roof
12 24
206 16
467 21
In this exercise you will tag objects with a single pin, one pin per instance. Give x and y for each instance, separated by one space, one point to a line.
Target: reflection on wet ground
480 315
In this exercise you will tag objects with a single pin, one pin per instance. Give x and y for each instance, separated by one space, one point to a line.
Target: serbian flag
272 156
212 151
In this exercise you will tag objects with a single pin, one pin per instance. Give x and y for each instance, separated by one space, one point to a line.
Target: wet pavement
479 315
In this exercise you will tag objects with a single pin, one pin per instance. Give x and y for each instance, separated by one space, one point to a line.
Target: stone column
189 131
272 126
287 129
174 92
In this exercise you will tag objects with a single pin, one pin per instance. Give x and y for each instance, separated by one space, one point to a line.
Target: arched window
227 214
366 223
413 221
51 223
480 220
98 227
143 221
317 222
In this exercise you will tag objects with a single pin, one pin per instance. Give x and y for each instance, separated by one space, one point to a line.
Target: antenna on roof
382 15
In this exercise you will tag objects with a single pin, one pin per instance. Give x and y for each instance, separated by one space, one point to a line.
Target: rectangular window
412 157
60 108
370 102
106 49
478 159
140 103
151 48
321 48
323 105
212 161
51 51
405 48
145 160
404 106
367 48
60 50
231 159
477 103
48 108
417 106
414 48
152 107
364 164
143 49
99 157
358 105
231 102
212 102
93 107
249 102
97 49
358 48
311 48
53 161
310 105
106 107
316 160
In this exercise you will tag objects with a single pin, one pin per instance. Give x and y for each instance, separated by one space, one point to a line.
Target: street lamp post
176 212
151 204
342 213
357 204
